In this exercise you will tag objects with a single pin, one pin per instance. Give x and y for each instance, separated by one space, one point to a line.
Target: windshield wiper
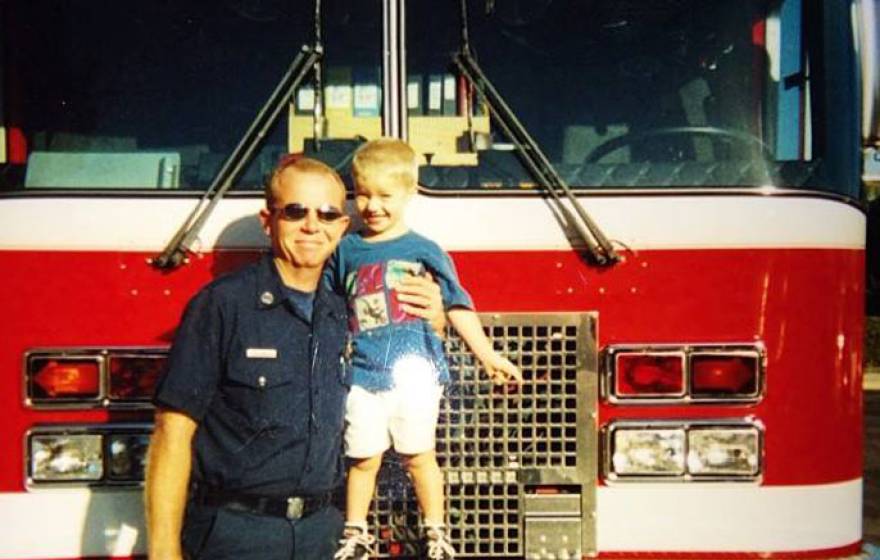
308 58
531 155
175 251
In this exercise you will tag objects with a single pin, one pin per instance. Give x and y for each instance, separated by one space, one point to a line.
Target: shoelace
439 548
351 543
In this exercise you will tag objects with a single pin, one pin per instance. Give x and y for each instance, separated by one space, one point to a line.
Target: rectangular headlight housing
80 455
689 450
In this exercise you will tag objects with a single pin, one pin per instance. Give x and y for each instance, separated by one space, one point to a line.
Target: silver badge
267 298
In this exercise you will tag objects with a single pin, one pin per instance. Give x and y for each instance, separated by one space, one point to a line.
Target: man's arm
168 471
420 296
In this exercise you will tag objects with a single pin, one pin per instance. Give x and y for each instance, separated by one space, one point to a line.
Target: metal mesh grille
534 425
487 435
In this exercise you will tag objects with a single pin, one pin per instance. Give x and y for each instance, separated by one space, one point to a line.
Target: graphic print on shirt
372 293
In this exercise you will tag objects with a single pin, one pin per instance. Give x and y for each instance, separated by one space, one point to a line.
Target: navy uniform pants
218 534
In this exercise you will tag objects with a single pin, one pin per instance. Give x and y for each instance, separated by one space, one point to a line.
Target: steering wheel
713 132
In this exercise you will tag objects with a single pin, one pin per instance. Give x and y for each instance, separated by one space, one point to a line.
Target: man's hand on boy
420 296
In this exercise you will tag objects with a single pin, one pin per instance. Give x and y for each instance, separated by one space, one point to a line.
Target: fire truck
659 207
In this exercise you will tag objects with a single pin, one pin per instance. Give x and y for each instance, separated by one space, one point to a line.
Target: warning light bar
701 373
92 377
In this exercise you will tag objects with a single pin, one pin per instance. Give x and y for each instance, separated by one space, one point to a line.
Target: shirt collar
270 291
328 303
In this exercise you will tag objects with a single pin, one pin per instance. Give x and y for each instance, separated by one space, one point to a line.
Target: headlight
66 457
648 452
689 450
127 456
723 451
87 455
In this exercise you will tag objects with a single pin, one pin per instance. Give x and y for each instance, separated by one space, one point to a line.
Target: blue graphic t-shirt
387 341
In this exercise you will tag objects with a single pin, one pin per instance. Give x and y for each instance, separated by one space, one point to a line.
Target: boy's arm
469 328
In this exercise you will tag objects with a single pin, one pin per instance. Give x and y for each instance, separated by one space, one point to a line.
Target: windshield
638 93
619 94
121 94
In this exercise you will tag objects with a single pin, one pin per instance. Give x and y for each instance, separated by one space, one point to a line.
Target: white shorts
376 420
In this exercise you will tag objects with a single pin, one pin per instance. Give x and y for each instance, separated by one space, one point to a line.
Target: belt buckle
295 507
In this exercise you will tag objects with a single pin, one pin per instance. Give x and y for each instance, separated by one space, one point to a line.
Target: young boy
397 367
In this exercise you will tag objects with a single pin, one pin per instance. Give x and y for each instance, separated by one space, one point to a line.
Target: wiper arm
174 253
536 161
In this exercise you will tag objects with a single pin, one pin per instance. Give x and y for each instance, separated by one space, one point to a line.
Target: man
246 451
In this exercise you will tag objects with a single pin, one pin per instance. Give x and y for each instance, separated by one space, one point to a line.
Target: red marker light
65 378
644 375
724 375
135 377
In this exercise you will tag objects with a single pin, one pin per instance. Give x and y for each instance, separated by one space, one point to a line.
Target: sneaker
437 545
356 544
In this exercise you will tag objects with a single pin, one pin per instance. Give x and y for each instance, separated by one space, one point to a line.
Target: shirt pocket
266 394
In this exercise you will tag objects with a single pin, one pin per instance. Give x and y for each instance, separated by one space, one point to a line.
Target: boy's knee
368 464
420 460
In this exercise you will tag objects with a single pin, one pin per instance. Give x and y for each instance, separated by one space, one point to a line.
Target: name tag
266 353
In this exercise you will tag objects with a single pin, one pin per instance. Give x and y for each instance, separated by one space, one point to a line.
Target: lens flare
415 376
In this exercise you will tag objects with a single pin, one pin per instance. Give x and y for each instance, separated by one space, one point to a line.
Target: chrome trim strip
759 191
474 193
868 46
391 61
400 91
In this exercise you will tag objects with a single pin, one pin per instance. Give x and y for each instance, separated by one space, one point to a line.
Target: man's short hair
300 165
386 159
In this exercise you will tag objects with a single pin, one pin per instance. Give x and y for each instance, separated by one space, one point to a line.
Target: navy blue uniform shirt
264 383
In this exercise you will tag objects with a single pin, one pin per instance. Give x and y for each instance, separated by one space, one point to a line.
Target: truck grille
496 444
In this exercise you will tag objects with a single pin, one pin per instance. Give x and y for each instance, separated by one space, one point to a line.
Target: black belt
290 507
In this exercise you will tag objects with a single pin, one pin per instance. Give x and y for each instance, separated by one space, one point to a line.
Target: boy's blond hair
386 160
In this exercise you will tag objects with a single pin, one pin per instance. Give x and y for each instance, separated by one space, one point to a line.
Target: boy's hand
501 370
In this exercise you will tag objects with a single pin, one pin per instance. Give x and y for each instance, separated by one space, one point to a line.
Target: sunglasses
295 212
